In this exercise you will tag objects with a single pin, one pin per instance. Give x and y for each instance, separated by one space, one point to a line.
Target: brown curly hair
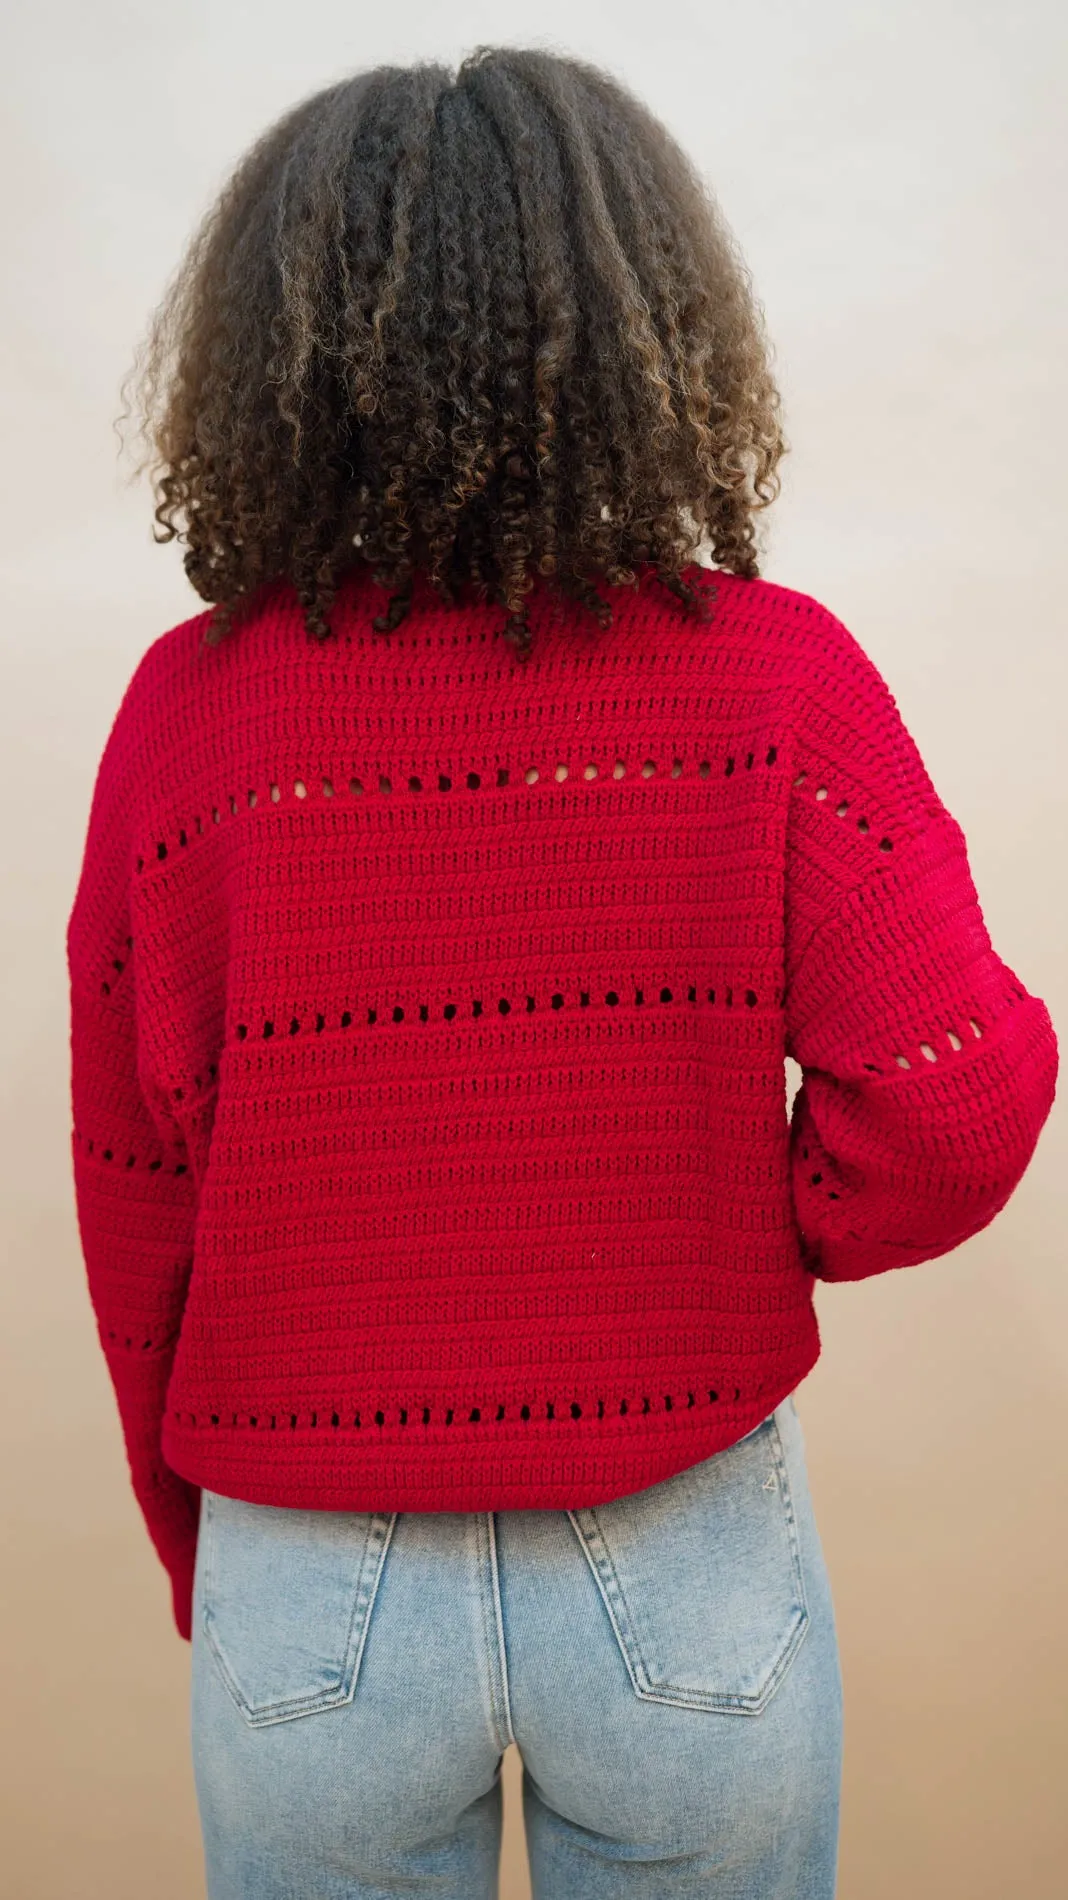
482 325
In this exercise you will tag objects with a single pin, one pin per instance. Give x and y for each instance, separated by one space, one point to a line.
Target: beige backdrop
896 175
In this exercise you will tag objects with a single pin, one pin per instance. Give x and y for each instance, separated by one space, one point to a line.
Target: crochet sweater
429 1013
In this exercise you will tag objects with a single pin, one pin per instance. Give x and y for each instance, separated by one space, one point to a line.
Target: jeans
667 1664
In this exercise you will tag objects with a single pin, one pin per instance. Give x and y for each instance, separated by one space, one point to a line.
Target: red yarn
428 1021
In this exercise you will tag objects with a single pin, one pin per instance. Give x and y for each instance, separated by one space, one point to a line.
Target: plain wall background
896 174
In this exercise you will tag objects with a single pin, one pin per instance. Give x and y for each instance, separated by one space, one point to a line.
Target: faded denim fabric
667 1664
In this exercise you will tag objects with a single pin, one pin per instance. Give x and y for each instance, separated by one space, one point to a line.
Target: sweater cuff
853 1258
181 1569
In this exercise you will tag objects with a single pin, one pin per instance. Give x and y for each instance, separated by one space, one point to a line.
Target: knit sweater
429 1012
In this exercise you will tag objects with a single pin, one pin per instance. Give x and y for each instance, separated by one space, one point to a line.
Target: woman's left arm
135 1191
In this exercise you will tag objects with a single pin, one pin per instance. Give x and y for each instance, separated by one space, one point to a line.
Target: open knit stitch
429 1014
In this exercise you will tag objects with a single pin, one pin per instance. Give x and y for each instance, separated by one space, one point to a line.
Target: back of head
484 326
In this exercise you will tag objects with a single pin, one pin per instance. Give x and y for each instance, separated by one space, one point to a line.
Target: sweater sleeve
928 1070
134 1188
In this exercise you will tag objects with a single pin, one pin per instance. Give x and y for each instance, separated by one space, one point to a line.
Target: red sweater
429 1012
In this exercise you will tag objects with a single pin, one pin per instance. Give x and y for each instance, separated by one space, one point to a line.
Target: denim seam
498 1686
337 1694
606 1576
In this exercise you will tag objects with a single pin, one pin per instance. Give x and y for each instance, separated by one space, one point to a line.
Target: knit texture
429 1011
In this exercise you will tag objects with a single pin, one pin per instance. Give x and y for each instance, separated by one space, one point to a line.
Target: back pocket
286 1600
701 1576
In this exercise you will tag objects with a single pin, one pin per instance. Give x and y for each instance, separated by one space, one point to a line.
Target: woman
454 888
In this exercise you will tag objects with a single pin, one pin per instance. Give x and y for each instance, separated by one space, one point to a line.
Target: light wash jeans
667 1664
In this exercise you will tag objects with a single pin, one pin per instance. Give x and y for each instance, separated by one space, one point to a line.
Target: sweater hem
563 1464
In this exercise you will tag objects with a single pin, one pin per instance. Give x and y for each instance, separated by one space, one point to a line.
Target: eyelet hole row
927 1050
448 1012
822 793
647 769
118 964
475 1415
129 1160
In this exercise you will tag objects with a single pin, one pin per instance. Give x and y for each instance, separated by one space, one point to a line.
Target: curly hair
483 325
